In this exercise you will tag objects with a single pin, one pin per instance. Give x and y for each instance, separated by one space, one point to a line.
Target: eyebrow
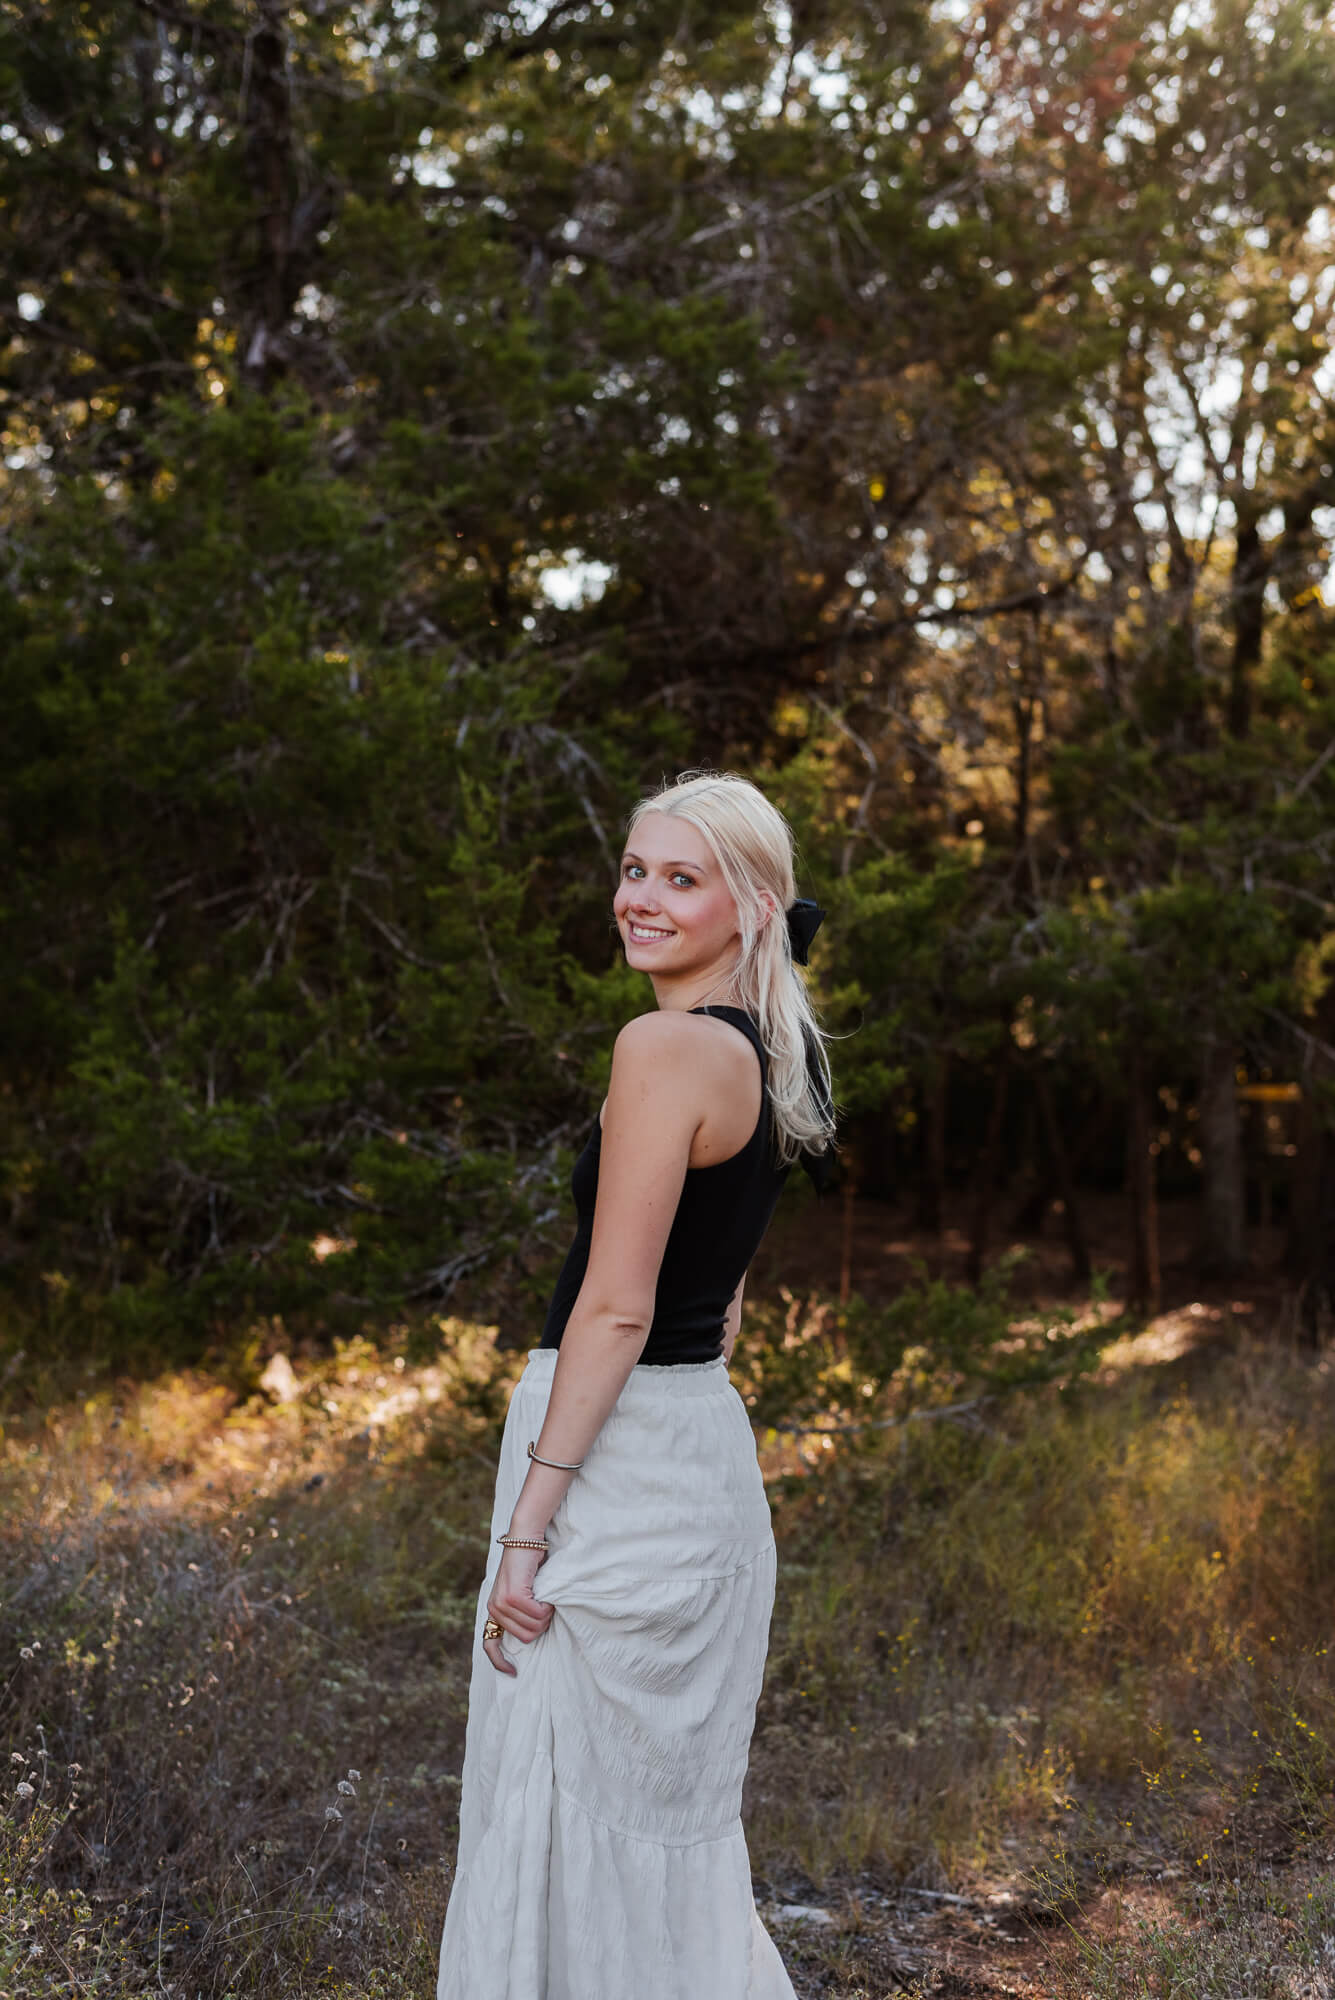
696 867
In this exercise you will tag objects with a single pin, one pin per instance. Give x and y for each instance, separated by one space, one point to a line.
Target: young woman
623 1623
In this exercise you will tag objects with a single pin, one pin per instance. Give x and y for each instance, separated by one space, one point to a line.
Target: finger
519 1618
492 1649
524 1629
520 1611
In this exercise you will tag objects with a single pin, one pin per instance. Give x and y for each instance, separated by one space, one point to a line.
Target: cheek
716 913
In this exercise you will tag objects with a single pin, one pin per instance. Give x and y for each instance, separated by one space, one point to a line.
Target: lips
644 934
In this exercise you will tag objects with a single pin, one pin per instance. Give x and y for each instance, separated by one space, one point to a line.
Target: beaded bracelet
520 1542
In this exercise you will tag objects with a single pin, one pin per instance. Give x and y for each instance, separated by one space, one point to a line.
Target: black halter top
723 1212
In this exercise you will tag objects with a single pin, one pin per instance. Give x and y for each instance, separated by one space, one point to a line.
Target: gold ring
492 1630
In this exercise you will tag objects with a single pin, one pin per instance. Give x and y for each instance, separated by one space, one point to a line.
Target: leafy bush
933 1343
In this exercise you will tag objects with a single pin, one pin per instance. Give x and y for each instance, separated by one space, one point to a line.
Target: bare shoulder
696 1052
694 1079
666 1038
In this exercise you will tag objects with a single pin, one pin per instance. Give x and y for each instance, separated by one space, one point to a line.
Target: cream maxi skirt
601 1853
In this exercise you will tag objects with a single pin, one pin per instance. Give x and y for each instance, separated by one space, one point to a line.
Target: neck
715 986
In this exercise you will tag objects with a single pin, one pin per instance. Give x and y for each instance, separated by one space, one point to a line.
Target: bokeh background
426 426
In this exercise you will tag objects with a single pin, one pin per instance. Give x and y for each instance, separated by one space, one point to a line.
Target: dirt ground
996 1941
169 1457
995 1938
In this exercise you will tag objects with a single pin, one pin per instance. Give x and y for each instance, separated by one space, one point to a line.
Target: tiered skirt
601 1853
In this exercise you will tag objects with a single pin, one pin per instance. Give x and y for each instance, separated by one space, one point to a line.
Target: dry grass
980 1629
1048 1660
1240 1935
236 1671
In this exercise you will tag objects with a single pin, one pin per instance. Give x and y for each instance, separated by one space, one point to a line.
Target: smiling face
676 917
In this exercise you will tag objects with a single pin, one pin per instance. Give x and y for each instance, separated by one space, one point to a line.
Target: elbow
619 1319
631 1327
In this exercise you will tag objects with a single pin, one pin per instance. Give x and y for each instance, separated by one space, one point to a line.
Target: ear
769 904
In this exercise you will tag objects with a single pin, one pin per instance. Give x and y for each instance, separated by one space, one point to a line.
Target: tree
423 426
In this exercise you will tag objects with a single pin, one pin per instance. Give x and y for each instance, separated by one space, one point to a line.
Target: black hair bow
804 919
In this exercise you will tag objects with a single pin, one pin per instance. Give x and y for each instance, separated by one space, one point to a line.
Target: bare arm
655 1105
654 1108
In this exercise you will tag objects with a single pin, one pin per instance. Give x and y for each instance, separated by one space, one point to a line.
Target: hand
513 1605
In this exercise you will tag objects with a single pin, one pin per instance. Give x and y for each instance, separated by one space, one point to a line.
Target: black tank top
723 1213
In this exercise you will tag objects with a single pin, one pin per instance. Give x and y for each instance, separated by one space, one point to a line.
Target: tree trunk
989 1165
1028 1218
1061 1167
872 1141
1304 1187
1143 1276
1310 1256
291 206
1022 708
846 1244
936 1105
1223 1241
1251 567
1317 1289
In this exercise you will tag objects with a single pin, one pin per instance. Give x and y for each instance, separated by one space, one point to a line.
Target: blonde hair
753 844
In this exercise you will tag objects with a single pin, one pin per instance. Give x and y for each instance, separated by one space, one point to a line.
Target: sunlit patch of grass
1240 1937
220 1608
1005 1635
1081 1632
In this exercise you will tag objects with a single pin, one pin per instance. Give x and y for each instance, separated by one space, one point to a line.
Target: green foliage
423 429
931 1346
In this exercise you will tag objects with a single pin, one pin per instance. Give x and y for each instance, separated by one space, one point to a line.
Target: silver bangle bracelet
557 1464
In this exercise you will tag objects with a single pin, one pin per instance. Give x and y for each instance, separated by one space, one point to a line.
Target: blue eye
629 868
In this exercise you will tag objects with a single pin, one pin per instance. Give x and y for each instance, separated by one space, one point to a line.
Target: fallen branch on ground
960 1410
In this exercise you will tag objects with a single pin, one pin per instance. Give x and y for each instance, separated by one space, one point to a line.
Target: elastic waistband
681 1378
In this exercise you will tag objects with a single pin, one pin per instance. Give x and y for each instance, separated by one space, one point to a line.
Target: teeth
638 931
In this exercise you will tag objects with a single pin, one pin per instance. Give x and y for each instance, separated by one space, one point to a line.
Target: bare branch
953 1412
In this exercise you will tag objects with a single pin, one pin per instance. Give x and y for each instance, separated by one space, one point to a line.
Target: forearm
598 1350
